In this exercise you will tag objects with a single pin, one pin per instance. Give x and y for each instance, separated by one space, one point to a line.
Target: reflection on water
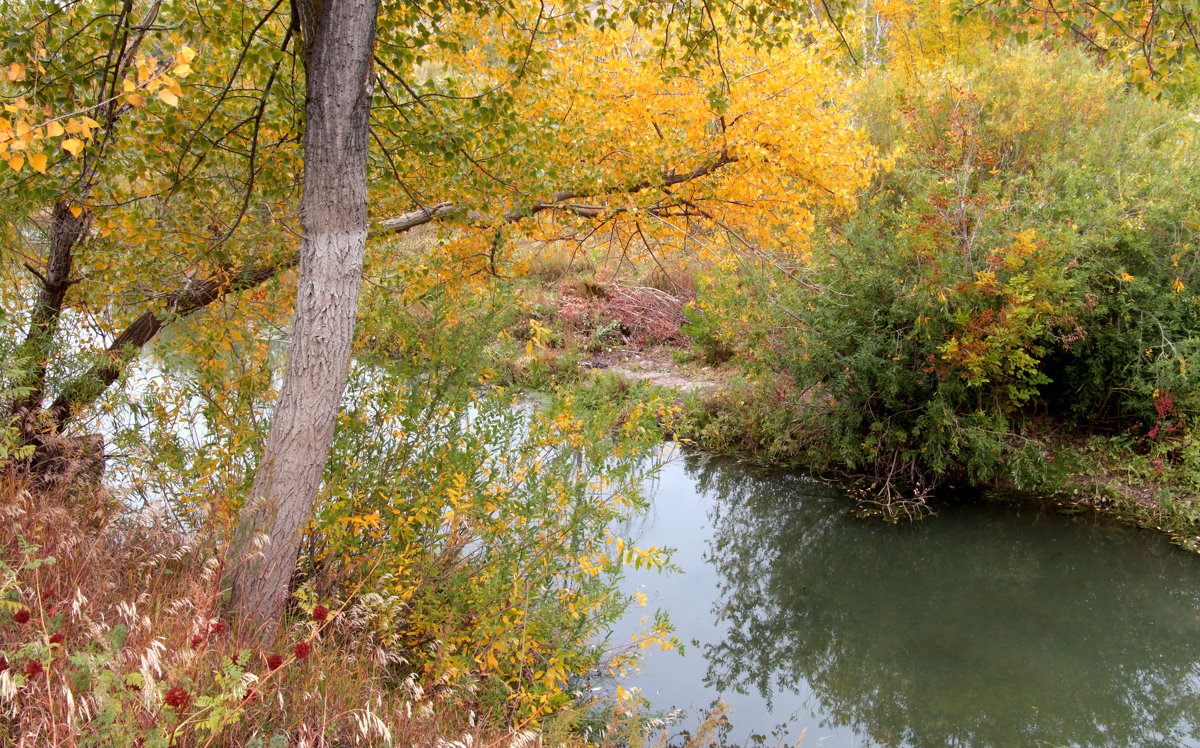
986 625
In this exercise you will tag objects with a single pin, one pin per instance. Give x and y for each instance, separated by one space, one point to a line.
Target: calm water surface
986 625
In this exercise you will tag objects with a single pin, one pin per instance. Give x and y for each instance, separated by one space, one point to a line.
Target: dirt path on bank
658 367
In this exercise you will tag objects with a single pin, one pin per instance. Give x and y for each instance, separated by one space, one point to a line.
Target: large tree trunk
339 39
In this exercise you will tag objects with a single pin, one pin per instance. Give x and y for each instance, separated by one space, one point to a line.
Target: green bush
1031 255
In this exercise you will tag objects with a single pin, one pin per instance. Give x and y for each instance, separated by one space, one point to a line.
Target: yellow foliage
771 116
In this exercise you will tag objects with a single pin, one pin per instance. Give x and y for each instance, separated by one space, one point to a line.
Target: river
992 623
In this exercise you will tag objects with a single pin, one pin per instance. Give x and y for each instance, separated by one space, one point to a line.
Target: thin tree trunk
70 221
339 41
66 229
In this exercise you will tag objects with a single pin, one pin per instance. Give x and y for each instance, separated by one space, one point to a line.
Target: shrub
1031 253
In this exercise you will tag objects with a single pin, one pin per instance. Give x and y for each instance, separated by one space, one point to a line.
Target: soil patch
657 366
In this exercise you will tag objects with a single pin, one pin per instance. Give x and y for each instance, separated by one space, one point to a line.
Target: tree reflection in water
978 627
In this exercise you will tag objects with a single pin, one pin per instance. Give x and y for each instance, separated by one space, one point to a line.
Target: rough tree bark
339 40
66 229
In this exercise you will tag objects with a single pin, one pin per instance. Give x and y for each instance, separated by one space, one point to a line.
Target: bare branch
411 220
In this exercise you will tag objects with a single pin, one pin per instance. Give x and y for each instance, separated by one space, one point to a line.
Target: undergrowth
111 635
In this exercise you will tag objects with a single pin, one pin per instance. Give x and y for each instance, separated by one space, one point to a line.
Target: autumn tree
110 177
1156 42
690 126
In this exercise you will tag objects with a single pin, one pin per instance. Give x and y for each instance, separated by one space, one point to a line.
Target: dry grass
553 263
119 641
681 280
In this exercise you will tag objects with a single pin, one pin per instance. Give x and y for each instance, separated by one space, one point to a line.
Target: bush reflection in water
985 625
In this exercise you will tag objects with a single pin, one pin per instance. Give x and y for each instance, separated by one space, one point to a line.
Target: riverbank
728 408
114 631
769 423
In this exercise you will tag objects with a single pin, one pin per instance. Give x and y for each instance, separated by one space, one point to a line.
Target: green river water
989 624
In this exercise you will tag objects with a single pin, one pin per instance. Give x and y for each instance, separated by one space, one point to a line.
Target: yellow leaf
73 146
183 71
16 162
38 162
170 98
76 211
16 72
54 129
89 122
187 54
135 99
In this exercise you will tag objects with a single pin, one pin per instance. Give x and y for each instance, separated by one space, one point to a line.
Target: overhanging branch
410 220
669 179
195 295
198 294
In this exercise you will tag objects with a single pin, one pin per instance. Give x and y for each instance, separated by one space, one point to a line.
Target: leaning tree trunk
339 40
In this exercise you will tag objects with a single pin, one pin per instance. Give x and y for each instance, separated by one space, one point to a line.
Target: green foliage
479 529
732 314
709 340
1152 42
764 419
13 371
1137 250
1031 253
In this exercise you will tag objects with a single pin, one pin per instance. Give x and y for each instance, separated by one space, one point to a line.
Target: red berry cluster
176 697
